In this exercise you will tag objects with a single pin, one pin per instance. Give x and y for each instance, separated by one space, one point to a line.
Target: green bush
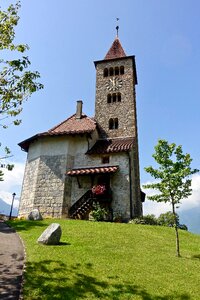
99 213
145 220
167 219
183 227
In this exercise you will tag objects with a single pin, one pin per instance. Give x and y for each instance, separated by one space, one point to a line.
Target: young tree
17 83
173 178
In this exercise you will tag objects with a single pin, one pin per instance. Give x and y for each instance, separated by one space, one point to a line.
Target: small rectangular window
105 160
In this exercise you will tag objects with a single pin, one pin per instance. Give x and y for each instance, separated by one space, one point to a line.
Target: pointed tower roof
116 50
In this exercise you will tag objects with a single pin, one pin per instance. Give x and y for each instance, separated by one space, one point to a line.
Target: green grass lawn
110 261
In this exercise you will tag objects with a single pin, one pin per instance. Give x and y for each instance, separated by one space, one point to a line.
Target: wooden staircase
82 206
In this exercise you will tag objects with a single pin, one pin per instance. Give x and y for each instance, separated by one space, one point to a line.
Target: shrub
167 219
183 227
99 213
145 220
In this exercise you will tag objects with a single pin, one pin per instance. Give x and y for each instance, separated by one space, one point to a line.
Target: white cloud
151 207
194 200
12 184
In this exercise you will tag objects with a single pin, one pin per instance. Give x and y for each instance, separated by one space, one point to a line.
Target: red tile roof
71 126
74 126
112 145
116 50
92 170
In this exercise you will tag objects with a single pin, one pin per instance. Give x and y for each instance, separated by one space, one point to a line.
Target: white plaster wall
50 146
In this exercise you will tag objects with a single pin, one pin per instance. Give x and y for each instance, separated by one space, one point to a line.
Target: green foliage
183 227
3 165
98 213
102 260
145 220
173 172
172 175
167 219
16 82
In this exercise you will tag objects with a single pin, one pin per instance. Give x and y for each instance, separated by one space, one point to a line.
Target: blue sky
65 37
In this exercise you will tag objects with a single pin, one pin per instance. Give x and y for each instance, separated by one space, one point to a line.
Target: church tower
115 106
115 111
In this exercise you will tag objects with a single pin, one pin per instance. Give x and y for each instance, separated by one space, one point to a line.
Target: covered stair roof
112 145
92 170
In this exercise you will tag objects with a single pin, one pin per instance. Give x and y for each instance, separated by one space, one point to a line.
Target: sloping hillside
110 261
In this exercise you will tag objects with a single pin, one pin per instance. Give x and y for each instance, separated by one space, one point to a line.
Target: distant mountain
5 209
191 218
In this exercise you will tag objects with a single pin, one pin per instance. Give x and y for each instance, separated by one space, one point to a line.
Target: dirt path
11 263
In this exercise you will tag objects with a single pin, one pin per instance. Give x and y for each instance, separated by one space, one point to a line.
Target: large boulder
51 235
34 215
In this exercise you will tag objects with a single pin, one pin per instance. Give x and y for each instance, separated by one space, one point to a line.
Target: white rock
51 235
34 215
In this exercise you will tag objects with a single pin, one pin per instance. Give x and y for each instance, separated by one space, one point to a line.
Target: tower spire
117 27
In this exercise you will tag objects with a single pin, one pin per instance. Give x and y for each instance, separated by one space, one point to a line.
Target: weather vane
117 27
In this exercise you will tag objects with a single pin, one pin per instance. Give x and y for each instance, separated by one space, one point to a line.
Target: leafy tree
17 83
167 219
145 220
172 178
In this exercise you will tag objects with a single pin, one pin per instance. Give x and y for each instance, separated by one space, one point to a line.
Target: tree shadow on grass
11 276
51 279
25 224
197 256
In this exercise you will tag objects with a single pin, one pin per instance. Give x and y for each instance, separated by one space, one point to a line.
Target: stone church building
83 160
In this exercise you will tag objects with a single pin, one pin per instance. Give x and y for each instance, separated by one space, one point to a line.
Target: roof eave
26 143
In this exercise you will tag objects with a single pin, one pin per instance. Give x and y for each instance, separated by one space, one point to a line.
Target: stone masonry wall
135 179
50 185
44 178
120 186
28 187
46 185
125 110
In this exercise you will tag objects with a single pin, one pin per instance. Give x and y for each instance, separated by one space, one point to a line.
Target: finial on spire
117 27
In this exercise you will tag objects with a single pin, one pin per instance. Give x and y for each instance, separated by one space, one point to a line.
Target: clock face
114 84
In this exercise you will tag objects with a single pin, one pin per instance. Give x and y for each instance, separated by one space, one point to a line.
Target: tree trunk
176 230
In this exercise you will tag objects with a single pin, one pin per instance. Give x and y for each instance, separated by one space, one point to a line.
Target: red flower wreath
98 189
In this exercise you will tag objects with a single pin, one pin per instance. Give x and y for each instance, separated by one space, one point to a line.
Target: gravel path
11 263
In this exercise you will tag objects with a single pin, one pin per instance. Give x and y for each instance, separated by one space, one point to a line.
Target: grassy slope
110 261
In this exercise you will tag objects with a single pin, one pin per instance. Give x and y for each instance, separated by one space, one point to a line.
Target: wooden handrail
80 202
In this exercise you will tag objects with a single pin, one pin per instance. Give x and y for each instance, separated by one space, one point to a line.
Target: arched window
111 124
114 97
105 72
111 72
121 70
119 97
116 123
109 98
116 70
